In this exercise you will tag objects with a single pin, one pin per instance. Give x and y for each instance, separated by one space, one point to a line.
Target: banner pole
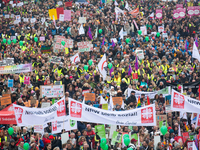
63 125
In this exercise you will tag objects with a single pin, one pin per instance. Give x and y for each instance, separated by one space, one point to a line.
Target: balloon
21 43
10 131
9 42
110 65
147 38
125 136
158 34
163 130
139 32
26 146
35 39
14 41
63 43
90 62
100 31
105 147
127 141
129 148
4 41
86 67
127 40
103 141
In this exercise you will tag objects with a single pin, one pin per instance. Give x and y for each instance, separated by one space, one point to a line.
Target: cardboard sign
160 118
26 80
140 54
45 104
68 4
84 46
64 137
105 106
117 100
82 20
52 91
5 100
161 28
38 129
61 17
89 96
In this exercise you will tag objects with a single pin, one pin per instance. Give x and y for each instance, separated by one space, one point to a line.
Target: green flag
117 137
100 130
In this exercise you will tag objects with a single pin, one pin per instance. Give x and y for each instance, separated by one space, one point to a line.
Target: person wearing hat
117 79
162 80
12 145
131 101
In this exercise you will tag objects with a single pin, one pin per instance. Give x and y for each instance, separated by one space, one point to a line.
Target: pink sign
67 15
196 10
42 38
179 6
176 14
182 12
158 13
26 80
191 11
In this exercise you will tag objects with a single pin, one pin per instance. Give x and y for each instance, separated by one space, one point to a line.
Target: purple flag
111 70
196 42
100 2
113 44
129 70
103 41
90 33
186 46
136 64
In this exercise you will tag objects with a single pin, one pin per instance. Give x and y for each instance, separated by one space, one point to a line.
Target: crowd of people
167 60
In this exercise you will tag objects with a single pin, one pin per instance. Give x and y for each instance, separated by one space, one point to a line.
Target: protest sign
60 48
33 20
61 17
134 12
176 14
100 131
160 118
82 20
7 62
42 38
117 100
5 100
182 12
53 14
26 80
84 46
179 6
68 4
116 138
38 129
180 102
39 115
191 11
67 15
196 10
52 91
156 141
105 106
158 13
13 89
89 96
15 69
63 123
140 54
45 104
45 49
135 76
10 83
144 116
59 3
161 28
7 16
144 30
151 95
60 10
185 136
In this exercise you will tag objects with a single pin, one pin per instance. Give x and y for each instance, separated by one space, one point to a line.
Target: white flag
102 64
195 52
116 4
152 15
121 34
102 101
194 146
96 33
75 59
126 6
179 130
81 30
111 104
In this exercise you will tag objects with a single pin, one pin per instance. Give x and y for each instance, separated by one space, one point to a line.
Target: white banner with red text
33 116
144 116
180 102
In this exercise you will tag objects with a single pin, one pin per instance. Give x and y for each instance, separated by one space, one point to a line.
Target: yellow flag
53 12
66 50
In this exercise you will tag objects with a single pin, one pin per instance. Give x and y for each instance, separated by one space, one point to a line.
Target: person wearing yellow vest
117 79
21 78
58 80
126 79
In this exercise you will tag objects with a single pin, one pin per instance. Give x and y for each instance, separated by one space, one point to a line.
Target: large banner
193 85
144 116
180 102
63 123
15 69
33 116
151 95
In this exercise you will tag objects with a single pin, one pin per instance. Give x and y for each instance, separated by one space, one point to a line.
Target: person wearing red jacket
90 134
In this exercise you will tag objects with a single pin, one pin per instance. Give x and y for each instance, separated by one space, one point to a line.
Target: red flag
148 101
